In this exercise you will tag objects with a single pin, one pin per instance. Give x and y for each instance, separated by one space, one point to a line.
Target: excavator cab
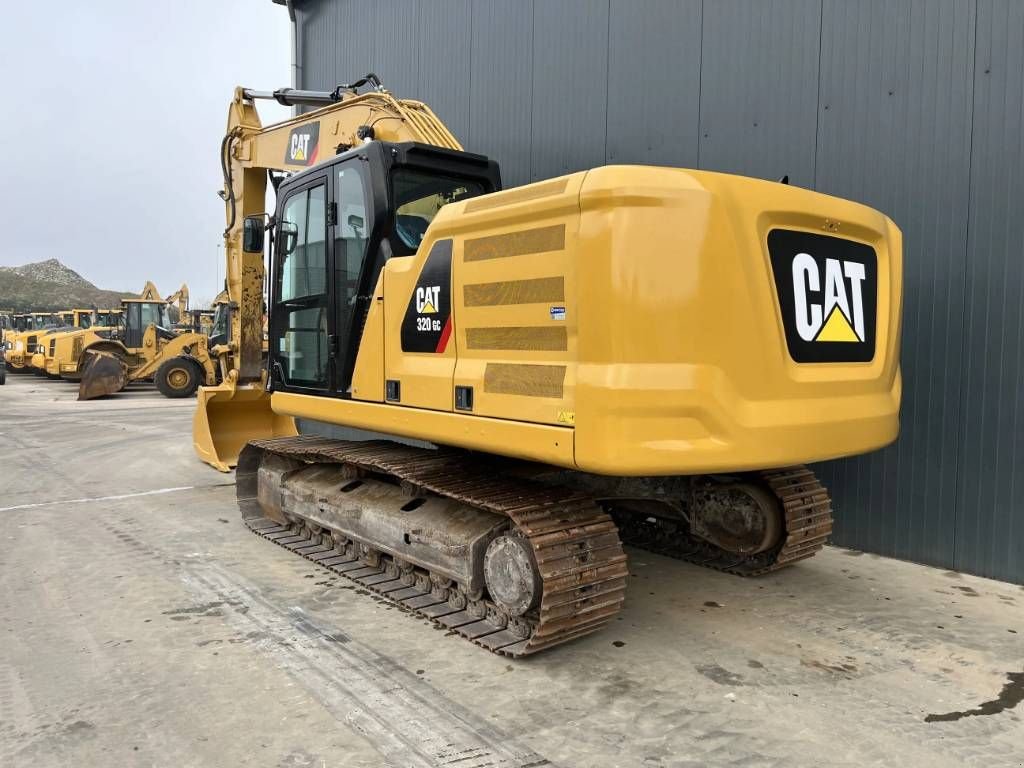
335 226
346 218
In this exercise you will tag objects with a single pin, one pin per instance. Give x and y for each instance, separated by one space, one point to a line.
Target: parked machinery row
148 338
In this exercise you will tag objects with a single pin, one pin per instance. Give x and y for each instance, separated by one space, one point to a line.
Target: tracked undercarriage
514 559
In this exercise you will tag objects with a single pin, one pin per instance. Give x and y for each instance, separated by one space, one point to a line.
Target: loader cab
137 315
40 320
335 227
82 318
107 318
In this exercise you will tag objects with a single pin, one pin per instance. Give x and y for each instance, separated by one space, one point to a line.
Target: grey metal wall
914 107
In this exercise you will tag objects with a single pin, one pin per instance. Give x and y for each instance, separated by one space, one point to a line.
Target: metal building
913 107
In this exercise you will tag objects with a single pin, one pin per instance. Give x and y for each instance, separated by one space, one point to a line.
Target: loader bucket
229 416
102 374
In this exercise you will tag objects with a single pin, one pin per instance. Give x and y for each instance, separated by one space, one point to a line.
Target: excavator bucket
229 416
102 374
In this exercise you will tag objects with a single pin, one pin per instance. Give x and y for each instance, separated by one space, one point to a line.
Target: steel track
576 545
807 511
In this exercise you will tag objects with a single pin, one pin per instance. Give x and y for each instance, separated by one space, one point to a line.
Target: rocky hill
49 285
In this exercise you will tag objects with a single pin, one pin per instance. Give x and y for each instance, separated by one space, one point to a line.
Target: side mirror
252 234
288 234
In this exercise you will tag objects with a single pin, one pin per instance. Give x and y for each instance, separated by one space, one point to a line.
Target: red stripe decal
312 159
442 343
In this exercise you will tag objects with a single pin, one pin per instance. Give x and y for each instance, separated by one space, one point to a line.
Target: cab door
354 279
302 328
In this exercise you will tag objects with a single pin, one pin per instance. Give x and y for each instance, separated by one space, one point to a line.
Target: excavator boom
179 300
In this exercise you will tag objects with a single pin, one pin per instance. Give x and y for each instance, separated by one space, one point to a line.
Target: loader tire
178 377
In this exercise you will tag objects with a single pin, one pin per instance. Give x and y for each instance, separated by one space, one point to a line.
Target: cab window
303 236
418 196
301 344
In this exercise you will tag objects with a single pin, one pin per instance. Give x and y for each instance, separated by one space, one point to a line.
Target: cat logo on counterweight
827 289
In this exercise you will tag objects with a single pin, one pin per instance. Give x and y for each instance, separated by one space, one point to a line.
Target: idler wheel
511 574
742 518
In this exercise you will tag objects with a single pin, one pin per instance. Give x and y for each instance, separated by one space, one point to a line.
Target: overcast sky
113 112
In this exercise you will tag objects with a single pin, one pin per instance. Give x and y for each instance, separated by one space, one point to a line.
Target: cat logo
303 143
427 299
827 289
427 324
841 317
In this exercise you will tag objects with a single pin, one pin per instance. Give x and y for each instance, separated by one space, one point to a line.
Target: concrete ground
142 625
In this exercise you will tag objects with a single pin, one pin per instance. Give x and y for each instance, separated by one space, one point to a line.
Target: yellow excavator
178 303
145 348
627 354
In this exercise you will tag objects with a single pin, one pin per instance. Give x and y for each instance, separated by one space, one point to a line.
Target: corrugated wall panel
315 45
895 133
759 88
394 26
654 88
501 86
990 509
445 74
570 86
879 102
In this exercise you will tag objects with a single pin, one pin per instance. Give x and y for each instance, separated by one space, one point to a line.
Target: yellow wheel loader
63 349
21 344
144 348
628 354
71 321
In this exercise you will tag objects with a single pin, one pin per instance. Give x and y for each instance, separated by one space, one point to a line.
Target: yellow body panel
23 346
426 378
670 331
67 349
552 445
517 269
685 366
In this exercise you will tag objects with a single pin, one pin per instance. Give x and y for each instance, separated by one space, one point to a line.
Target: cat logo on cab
827 289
